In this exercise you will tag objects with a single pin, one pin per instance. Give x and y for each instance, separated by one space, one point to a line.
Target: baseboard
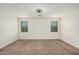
39 39
70 43
7 43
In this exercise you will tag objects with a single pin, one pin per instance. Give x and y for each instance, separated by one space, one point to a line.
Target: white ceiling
28 9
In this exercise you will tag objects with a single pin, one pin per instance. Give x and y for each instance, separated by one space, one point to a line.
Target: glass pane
54 26
24 26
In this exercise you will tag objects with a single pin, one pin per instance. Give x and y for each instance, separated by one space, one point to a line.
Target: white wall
39 28
70 28
8 30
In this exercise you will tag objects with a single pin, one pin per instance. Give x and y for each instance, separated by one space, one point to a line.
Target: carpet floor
39 47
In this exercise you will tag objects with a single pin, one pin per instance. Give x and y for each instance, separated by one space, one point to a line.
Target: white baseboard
7 43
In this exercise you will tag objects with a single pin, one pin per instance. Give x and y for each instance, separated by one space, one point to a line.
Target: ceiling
29 9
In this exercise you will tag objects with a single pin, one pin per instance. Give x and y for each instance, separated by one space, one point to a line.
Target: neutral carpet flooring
39 47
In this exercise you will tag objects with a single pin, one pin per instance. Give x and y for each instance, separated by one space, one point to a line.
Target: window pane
54 26
24 26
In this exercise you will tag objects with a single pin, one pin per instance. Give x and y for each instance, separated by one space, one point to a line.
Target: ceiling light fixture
39 12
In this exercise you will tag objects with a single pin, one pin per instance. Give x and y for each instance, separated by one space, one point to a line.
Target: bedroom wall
70 28
39 28
8 30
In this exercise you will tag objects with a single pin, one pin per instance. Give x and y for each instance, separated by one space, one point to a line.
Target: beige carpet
39 47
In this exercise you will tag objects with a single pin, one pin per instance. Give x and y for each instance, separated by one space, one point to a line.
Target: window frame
26 25
51 26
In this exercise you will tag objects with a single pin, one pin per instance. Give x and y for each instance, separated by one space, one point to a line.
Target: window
24 26
54 26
